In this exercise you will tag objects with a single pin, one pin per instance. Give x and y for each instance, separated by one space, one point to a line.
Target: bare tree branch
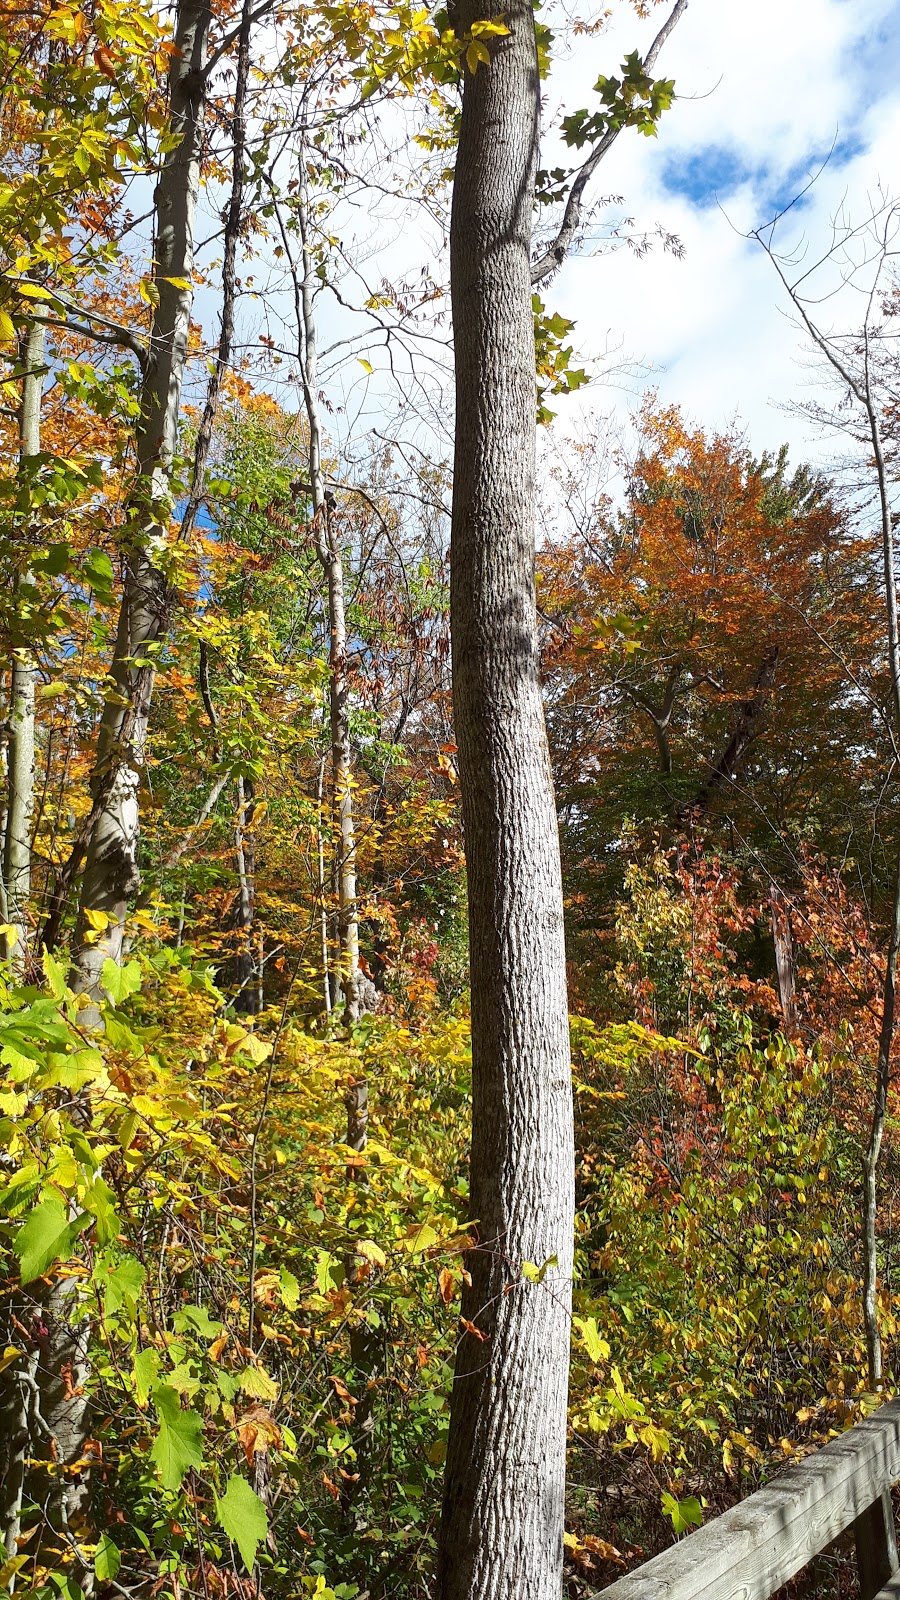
555 254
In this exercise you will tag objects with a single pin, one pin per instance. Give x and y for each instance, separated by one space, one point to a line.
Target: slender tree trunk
783 941
329 553
364 1340
874 1348
20 754
323 906
18 1386
111 875
246 974
503 1514
233 222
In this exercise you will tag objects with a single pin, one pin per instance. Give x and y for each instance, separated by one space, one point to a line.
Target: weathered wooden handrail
750 1551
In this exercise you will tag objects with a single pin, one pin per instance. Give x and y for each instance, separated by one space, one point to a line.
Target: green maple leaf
179 1444
46 1236
242 1515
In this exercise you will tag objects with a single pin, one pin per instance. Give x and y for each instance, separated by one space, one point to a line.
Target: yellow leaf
364 363
255 1381
495 29
7 329
475 53
371 1252
9 1355
98 920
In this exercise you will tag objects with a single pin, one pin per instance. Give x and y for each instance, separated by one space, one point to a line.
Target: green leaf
290 1290
242 1515
108 1559
682 1514
120 982
596 1347
45 1237
120 1281
179 1444
145 1372
197 1317
256 1382
538 1274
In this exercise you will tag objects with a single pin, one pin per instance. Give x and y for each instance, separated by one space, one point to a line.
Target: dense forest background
234 1000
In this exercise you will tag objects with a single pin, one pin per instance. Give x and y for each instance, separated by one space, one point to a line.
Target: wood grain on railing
751 1550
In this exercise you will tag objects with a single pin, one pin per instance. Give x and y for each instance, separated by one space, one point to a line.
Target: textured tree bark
503 1513
783 941
111 875
20 756
17 1430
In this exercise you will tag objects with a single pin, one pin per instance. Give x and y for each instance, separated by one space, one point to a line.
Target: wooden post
876 1546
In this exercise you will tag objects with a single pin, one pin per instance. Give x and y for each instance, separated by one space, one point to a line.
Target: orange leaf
475 1332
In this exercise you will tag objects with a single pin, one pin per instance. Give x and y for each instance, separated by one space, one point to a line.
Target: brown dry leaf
599 1547
332 1488
446 1284
258 1432
475 1332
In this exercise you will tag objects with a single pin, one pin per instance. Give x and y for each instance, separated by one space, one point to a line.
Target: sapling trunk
329 552
20 752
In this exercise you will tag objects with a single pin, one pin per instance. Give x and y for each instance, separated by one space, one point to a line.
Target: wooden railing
751 1550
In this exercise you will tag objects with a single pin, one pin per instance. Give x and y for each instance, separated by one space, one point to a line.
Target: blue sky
765 91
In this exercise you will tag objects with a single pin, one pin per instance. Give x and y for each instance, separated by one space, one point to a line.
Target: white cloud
775 84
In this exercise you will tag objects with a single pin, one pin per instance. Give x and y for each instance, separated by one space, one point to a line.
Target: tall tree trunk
503 1514
20 755
329 553
111 875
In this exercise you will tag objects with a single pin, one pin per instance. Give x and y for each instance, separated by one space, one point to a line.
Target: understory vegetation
256 804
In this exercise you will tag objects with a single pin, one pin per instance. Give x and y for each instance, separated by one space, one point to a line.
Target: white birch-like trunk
20 755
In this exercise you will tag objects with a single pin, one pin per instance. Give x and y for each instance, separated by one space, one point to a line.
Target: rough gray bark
20 753
503 1514
111 876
